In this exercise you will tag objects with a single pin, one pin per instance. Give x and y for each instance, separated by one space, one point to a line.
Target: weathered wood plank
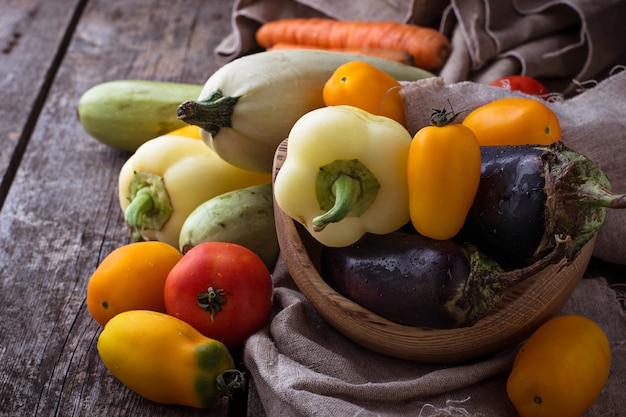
61 216
31 34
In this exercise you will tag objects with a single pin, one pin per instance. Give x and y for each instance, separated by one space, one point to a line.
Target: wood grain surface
60 215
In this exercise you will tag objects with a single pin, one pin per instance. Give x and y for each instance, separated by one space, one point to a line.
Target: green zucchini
244 216
126 113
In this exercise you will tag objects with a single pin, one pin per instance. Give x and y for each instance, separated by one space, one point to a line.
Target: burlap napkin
300 366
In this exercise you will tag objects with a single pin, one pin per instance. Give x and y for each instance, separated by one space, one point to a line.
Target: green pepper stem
139 207
149 207
229 381
347 191
210 114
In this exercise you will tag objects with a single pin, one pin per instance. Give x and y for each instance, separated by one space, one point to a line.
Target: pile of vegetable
456 212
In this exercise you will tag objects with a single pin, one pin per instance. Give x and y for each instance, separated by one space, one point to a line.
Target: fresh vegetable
397 55
514 121
417 281
167 178
443 171
167 361
362 85
132 277
244 216
528 194
249 105
345 174
429 48
223 290
126 113
522 83
188 131
561 369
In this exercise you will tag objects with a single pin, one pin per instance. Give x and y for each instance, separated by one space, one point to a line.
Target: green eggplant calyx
229 381
211 113
343 188
578 194
488 282
149 207
212 300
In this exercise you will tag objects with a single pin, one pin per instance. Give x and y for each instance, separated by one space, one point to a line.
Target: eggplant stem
599 196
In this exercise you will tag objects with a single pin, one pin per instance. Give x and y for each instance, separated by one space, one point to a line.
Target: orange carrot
428 47
391 54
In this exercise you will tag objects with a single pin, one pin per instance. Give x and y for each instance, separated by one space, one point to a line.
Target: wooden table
60 215
58 193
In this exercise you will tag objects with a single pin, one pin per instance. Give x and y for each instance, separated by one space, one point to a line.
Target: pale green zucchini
126 113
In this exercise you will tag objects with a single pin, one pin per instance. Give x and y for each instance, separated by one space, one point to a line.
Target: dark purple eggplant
417 281
529 194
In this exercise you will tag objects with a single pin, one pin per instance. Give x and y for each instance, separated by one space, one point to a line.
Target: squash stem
210 114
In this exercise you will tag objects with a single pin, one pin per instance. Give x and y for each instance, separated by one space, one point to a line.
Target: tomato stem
443 117
212 300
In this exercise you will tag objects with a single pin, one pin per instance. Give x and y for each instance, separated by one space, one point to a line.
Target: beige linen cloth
299 365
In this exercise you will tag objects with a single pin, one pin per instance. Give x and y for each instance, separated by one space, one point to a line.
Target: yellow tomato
363 85
514 121
443 173
561 369
132 277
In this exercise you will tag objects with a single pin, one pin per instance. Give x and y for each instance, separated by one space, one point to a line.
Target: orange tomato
132 277
443 174
363 85
514 121
561 369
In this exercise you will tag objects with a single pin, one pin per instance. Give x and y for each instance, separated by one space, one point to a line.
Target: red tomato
224 290
521 83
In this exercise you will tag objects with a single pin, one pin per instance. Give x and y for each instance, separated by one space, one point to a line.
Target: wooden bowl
524 307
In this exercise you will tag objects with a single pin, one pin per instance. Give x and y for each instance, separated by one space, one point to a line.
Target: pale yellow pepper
345 174
167 178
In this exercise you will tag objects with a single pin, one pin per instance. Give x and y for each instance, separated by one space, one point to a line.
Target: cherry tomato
443 173
521 83
561 369
363 85
132 277
514 121
223 290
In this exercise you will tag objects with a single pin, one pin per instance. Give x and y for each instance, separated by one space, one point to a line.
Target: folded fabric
300 366
563 42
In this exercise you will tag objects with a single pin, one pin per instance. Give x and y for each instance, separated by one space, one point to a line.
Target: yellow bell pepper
167 178
166 360
345 174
